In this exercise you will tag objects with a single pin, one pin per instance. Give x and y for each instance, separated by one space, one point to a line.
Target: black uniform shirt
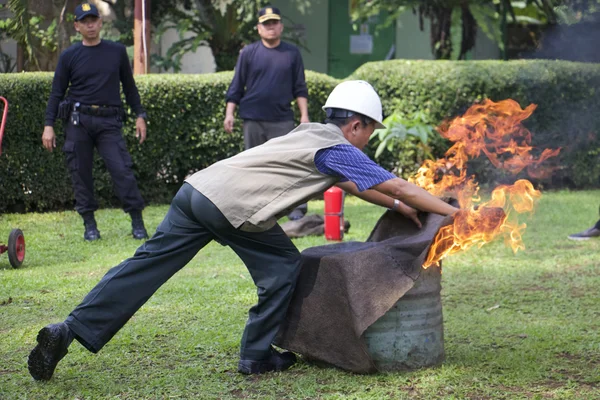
266 80
93 75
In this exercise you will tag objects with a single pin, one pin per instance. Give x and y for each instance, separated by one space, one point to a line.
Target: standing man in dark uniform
269 74
93 71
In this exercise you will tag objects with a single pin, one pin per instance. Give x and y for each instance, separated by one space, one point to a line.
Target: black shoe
276 362
53 341
91 233
296 214
138 230
585 235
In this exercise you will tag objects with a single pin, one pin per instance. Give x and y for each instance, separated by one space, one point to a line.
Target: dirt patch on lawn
590 360
545 390
580 270
534 288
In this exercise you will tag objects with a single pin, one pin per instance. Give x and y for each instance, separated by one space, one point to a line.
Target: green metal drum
411 334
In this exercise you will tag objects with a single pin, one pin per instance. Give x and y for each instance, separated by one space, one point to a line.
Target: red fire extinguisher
334 213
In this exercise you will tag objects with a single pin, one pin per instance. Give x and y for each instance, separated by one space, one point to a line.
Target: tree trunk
65 28
141 37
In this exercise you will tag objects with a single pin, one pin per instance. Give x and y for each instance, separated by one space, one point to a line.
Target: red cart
16 240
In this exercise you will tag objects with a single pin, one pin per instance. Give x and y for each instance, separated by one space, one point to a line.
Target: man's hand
409 213
304 119
228 123
49 138
140 129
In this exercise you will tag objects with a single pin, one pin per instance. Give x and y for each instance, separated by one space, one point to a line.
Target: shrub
185 134
185 115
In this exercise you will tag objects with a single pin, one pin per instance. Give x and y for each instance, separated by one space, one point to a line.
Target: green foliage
566 93
403 145
27 30
185 134
453 23
225 26
186 113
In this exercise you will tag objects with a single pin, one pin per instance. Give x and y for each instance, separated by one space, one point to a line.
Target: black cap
267 13
85 9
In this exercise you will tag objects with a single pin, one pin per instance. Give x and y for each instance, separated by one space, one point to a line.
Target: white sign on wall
363 43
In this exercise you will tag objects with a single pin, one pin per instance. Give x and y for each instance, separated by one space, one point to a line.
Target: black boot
91 232
138 230
53 341
275 362
298 212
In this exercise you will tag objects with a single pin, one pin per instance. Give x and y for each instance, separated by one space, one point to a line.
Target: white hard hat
359 97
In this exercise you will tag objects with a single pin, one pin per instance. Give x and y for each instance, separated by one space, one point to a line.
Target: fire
494 130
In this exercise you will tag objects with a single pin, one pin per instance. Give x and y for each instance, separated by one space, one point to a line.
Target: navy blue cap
267 13
85 9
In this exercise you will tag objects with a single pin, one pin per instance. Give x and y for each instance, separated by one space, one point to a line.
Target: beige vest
255 188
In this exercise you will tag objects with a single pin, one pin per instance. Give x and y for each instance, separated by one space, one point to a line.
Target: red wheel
16 248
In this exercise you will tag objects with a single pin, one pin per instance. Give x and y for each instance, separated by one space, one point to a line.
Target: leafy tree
454 23
44 28
28 28
225 25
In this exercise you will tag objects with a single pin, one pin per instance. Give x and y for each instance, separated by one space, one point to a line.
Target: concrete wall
485 48
314 23
199 62
411 42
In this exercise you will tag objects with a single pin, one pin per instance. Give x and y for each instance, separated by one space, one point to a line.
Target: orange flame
495 130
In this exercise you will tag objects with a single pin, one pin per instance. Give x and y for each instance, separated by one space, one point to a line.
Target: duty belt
100 111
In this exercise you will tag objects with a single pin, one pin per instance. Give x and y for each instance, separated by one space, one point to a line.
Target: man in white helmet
237 202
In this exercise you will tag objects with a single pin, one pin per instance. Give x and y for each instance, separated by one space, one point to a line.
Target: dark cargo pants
190 224
104 133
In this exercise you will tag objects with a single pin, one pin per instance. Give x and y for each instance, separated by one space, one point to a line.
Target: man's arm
236 91
383 200
129 87
229 117
132 95
365 179
60 83
414 196
300 90
303 107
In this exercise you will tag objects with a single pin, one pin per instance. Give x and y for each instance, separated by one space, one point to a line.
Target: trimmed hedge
567 95
185 134
186 113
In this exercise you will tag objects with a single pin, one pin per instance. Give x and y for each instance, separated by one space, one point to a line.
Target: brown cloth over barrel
343 288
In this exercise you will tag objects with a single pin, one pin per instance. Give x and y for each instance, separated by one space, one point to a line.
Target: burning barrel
411 334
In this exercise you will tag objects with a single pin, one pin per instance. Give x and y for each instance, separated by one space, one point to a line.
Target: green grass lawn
516 326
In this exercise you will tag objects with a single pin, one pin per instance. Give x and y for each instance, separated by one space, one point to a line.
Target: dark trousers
190 224
259 132
103 133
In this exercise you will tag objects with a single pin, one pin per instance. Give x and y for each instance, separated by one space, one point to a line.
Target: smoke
576 42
